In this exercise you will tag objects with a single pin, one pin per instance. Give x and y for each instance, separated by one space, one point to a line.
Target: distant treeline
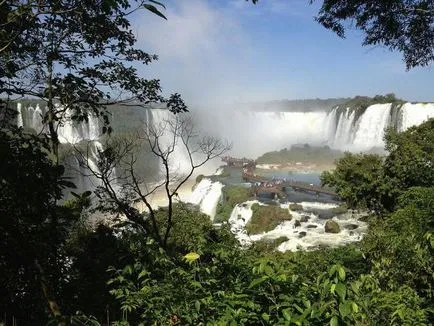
312 105
304 153
306 105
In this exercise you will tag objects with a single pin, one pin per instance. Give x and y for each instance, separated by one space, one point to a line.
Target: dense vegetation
59 267
119 274
304 154
266 218
231 196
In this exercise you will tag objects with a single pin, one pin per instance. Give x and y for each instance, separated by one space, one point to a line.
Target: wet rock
332 227
312 226
297 224
302 234
304 218
351 232
351 226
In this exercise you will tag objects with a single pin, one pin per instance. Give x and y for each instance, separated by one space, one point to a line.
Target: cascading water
370 128
344 128
20 122
69 132
178 159
367 130
415 114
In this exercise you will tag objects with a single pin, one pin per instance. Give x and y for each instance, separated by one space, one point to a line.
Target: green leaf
197 305
341 290
286 314
345 309
334 321
257 281
158 3
265 317
191 257
154 10
341 272
355 307
332 288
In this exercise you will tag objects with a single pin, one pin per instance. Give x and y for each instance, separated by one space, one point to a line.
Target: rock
312 226
297 224
351 233
332 227
351 226
302 234
304 218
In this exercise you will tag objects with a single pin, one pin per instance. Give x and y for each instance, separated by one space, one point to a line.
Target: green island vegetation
171 266
295 207
231 196
266 218
301 153
359 104
363 102
341 209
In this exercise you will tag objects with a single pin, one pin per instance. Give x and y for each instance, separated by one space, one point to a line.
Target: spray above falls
342 127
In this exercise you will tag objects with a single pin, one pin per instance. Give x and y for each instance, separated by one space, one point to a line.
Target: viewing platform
239 162
278 187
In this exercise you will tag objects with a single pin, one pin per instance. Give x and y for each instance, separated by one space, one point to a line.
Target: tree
400 25
77 56
33 227
369 181
357 179
121 192
410 162
405 26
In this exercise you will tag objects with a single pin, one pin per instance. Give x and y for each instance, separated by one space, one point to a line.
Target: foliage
32 224
266 218
295 207
366 180
341 209
304 154
231 196
363 102
403 25
410 162
191 228
357 179
78 56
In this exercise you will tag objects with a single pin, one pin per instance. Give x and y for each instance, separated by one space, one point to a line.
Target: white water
69 132
415 114
315 235
254 133
20 122
206 195
370 129
178 160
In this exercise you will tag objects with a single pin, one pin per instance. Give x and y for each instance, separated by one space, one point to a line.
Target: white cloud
203 51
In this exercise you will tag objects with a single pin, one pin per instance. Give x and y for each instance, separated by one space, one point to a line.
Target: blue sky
226 51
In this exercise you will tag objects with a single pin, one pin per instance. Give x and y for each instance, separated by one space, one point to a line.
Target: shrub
295 207
266 218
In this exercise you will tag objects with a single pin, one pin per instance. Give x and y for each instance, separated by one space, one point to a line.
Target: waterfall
371 125
179 160
362 131
344 130
20 122
415 114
